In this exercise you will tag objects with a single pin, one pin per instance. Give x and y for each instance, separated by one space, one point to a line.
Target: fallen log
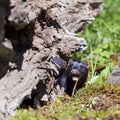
38 30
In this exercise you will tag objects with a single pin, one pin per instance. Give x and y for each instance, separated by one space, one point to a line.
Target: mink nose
74 71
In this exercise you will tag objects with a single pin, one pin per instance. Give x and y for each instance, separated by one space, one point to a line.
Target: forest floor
98 99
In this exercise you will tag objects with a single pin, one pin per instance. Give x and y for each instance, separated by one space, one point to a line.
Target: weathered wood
38 30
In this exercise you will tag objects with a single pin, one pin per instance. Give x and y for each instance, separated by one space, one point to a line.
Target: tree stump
32 32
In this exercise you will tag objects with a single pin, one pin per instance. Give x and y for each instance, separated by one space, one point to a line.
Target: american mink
76 70
68 74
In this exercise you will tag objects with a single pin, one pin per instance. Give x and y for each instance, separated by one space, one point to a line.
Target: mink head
77 69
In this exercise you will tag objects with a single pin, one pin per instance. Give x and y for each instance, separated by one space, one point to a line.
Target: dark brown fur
74 69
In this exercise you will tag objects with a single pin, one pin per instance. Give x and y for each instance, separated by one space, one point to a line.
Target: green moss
105 87
95 89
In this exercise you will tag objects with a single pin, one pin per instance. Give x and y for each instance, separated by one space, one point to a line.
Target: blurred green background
103 38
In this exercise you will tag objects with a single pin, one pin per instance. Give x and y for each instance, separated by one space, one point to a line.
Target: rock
115 76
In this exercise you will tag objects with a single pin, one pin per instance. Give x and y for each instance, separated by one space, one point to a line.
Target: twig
73 91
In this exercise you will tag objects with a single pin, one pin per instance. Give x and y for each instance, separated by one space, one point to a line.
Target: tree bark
35 31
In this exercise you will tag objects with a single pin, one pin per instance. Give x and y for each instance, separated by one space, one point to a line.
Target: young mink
66 76
75 71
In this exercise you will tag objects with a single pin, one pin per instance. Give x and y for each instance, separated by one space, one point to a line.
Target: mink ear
87 65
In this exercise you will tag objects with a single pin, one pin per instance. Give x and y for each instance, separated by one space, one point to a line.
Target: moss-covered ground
98 99
94 102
